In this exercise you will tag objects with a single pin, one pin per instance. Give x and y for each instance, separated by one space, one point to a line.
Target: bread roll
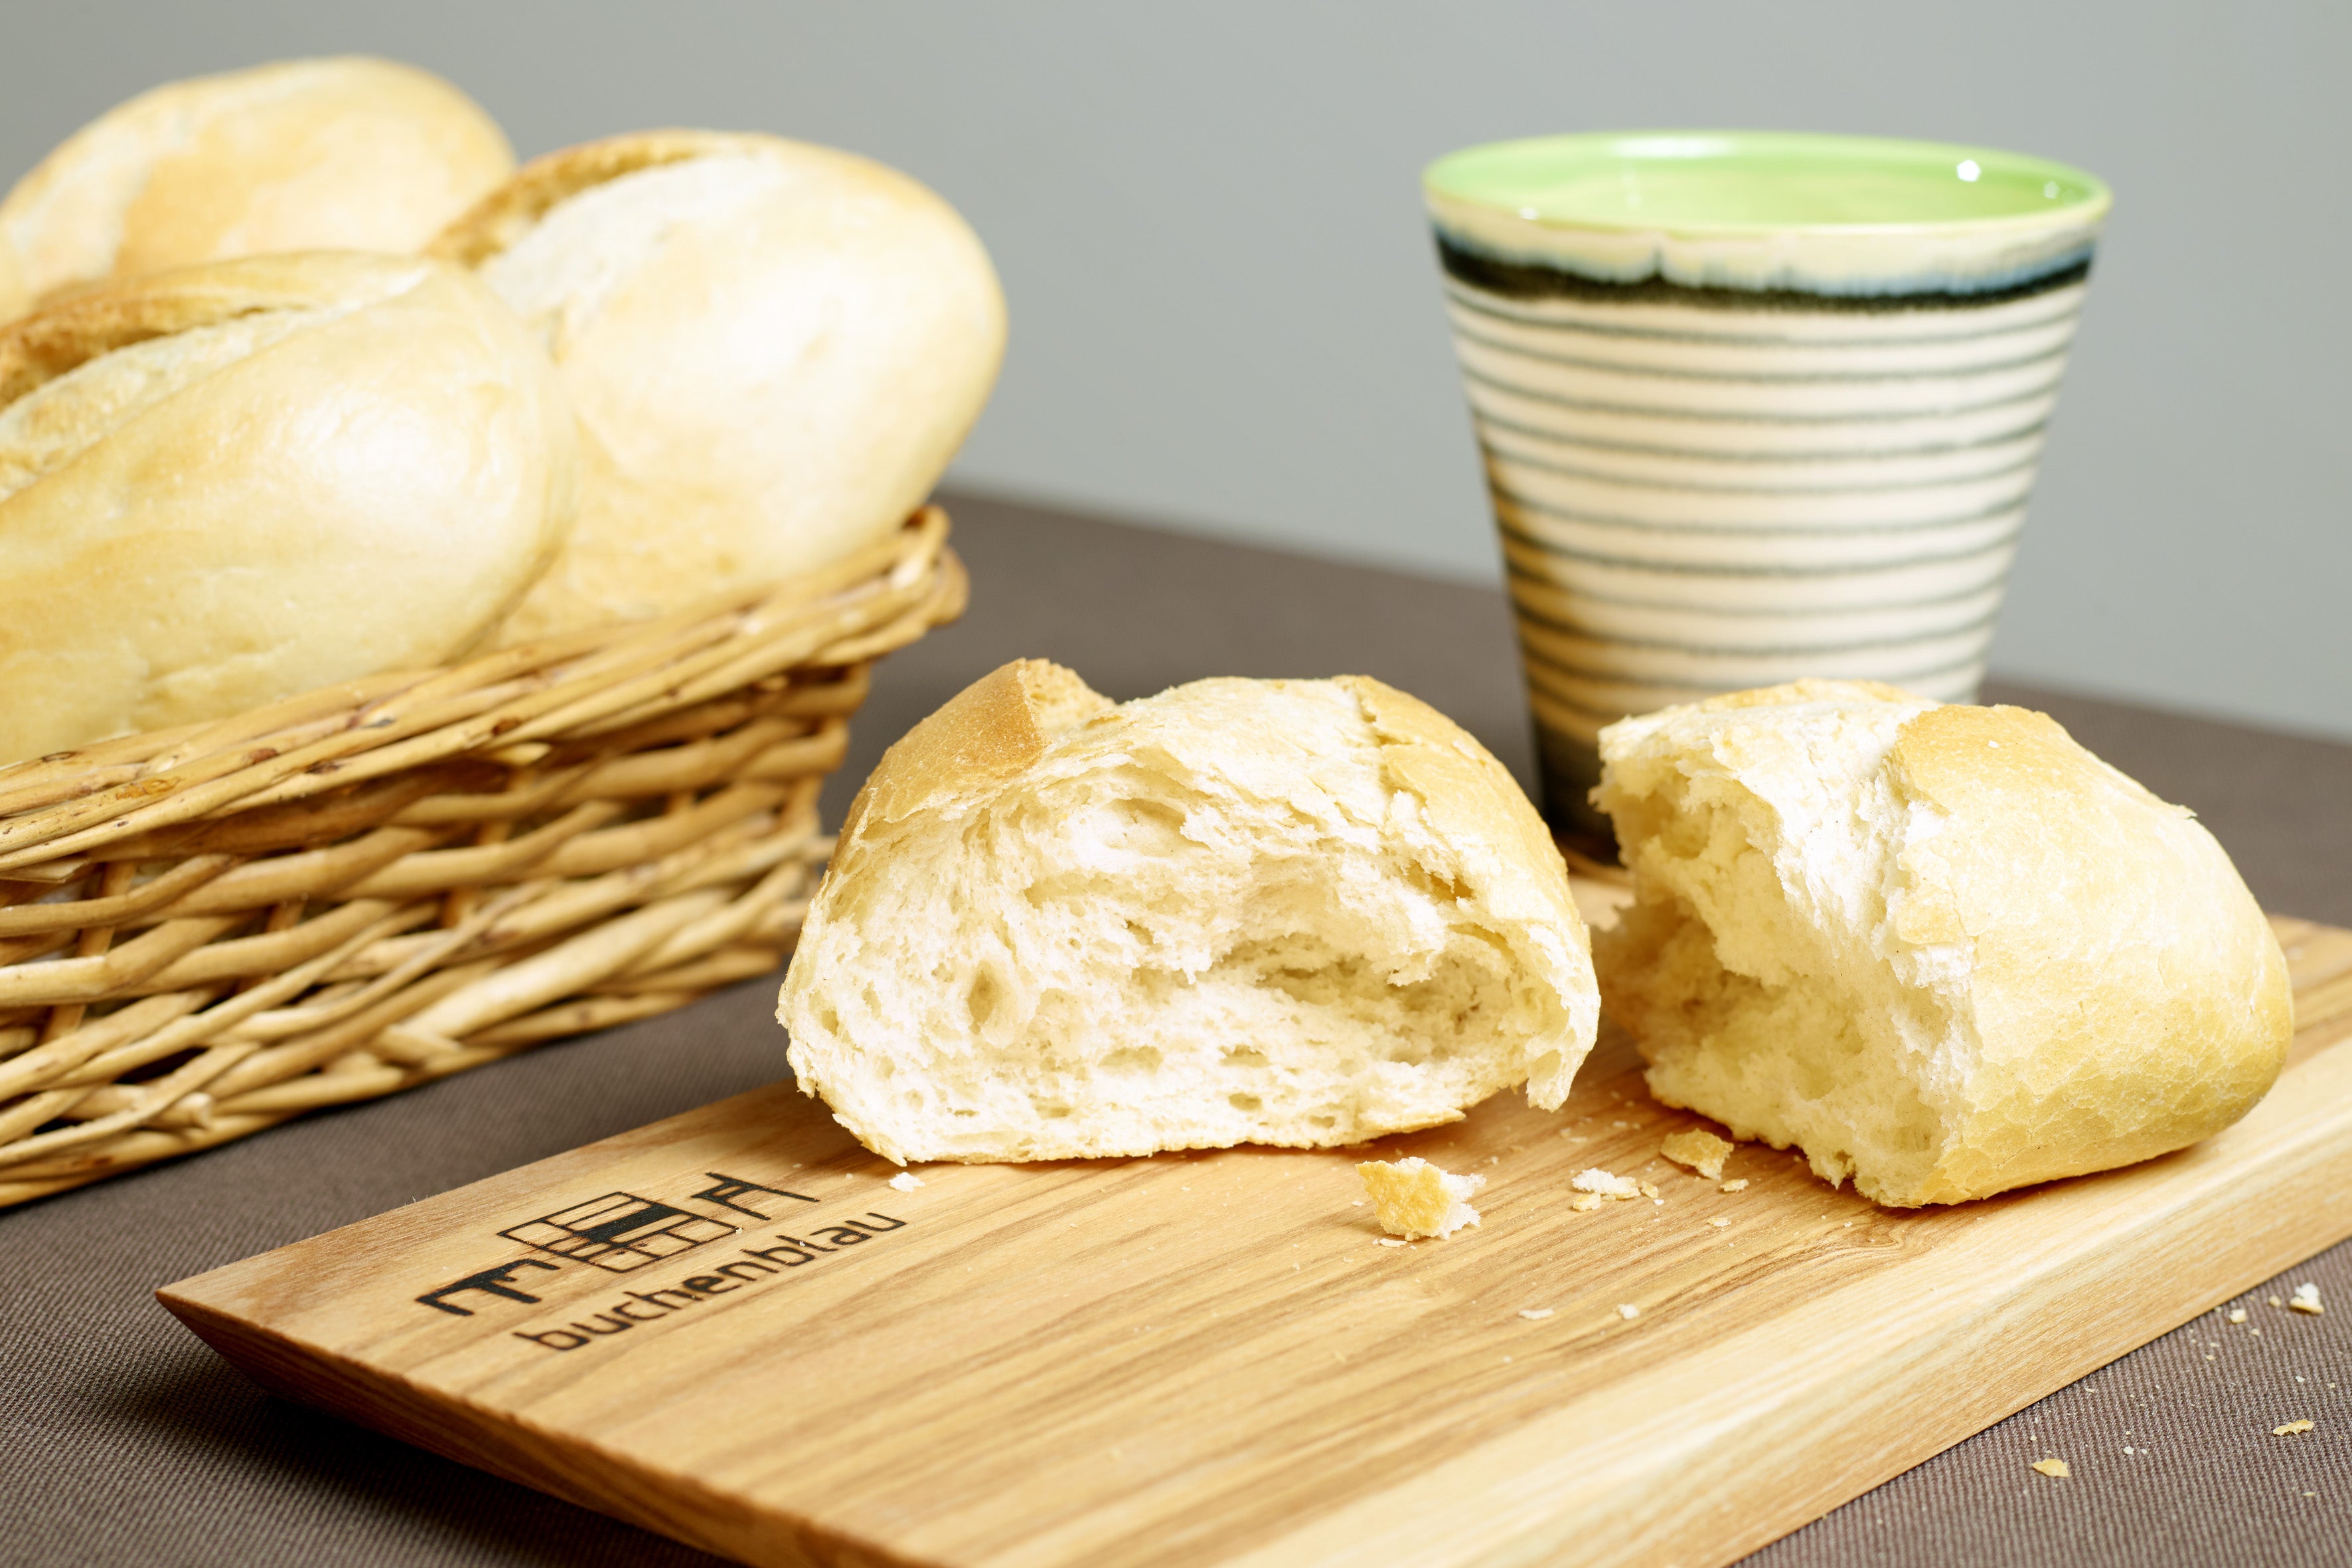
1943 950
327 154
774 350
229 484
1304 912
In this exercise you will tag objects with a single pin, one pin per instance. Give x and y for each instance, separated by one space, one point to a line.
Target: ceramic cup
1753 406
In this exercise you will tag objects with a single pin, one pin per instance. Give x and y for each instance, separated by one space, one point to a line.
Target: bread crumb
1386 1241
1628 1311
1702 1150
2237 1314
1649 1190
2276 1302
1583 1203
1720 1221
1355 1203
1413 1197
2054 1468
1536 1314
1602 1183
2306 1300
1740 1186
906 1181
2293 1427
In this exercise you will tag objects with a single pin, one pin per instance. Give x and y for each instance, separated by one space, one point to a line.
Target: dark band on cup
1535 280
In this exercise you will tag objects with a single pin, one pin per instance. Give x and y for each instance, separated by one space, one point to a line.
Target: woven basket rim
206 930
117 788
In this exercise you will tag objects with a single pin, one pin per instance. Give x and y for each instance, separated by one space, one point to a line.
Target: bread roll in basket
206 930
346 154
615 482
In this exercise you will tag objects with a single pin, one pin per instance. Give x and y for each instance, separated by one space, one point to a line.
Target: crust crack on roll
1943 950
229 484
774 350
1297 912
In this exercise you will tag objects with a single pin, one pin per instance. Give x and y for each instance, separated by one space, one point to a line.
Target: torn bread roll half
346 154
774 350
230 484
1299 912
1943 950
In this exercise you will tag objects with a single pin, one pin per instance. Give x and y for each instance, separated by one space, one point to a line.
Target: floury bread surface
1301 912
1943 950
229 484
773 348
346 154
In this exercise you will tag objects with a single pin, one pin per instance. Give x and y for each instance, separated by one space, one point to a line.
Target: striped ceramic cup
1753 406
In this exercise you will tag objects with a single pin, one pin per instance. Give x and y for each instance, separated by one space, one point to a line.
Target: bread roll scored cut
774 350
346 154
227 485
1300 912
1943 950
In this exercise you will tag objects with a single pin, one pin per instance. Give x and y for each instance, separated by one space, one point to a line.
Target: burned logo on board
618 1231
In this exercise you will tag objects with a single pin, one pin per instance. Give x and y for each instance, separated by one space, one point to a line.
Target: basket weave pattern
206 932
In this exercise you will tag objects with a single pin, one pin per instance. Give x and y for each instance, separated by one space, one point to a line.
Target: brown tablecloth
122 1440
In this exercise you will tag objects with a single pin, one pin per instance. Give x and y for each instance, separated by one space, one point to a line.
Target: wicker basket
204 931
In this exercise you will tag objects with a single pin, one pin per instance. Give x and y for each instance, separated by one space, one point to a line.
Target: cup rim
2086 200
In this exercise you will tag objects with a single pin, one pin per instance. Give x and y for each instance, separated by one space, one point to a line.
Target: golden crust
2129 996
16 294
982 737
339 153
499 218
2119 994
1412 1198
715 454
227 484
39 348
1472 799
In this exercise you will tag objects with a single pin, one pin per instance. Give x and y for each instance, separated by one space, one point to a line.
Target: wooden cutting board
726 1327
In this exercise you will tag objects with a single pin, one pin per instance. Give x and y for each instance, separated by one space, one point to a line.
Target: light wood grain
1210 1358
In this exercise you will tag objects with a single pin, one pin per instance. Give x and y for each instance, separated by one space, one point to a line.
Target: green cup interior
1733 183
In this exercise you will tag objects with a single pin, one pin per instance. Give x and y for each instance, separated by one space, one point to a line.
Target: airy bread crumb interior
1209 917
1792 1000
1942 950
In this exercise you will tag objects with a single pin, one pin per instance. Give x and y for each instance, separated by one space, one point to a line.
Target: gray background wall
1224 309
